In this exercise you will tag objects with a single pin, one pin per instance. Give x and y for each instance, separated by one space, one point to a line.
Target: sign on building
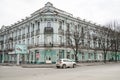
20 49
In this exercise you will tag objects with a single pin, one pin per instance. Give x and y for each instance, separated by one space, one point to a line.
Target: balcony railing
48 45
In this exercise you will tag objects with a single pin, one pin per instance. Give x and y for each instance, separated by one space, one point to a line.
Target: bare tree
105 41
115 42
74 40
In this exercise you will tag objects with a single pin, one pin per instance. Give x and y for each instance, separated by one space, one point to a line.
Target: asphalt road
100 72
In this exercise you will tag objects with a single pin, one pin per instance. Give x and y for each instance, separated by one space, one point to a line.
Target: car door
70 63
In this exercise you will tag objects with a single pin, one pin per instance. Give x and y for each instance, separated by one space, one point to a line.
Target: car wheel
58 66
74 65
64 66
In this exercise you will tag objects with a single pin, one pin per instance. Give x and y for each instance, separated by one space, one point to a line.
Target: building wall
30 32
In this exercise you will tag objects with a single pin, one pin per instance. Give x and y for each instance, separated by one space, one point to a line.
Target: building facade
44 33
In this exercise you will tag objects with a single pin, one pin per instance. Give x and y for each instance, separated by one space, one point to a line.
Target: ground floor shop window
68 55
89 56
83 56
95 56
72 56
61 54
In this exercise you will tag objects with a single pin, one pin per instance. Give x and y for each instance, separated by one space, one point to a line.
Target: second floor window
33 27
48 24
38 25
20 32
60 25
68 27
28 29
23 31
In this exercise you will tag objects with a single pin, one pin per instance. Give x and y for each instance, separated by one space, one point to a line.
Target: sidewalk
53 65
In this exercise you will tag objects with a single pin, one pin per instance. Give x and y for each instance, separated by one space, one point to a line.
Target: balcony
48 45
48 30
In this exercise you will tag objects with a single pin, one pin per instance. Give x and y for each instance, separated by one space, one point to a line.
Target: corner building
44 33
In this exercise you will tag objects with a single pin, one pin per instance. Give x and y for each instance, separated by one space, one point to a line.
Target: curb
38 66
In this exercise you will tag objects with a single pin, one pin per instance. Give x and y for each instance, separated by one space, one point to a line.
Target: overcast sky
97 11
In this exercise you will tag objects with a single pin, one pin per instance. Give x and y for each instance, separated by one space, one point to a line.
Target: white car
64 63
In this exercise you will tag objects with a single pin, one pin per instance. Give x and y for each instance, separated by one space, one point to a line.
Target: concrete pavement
100 72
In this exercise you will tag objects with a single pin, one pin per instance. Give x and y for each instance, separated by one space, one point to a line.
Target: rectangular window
32 40
83 56
33 27
23 30
37 40
60 54
60 39
72 56
38 25
60 25
28 42
95 56
48 24
20 32
89 55
28 29
19 42
68 55
88 44
23 41
68 27
82 42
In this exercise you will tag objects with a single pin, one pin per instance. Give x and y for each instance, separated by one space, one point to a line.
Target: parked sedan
64 63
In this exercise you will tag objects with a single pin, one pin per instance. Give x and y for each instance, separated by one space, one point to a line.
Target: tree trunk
76 58
115 56
104 57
